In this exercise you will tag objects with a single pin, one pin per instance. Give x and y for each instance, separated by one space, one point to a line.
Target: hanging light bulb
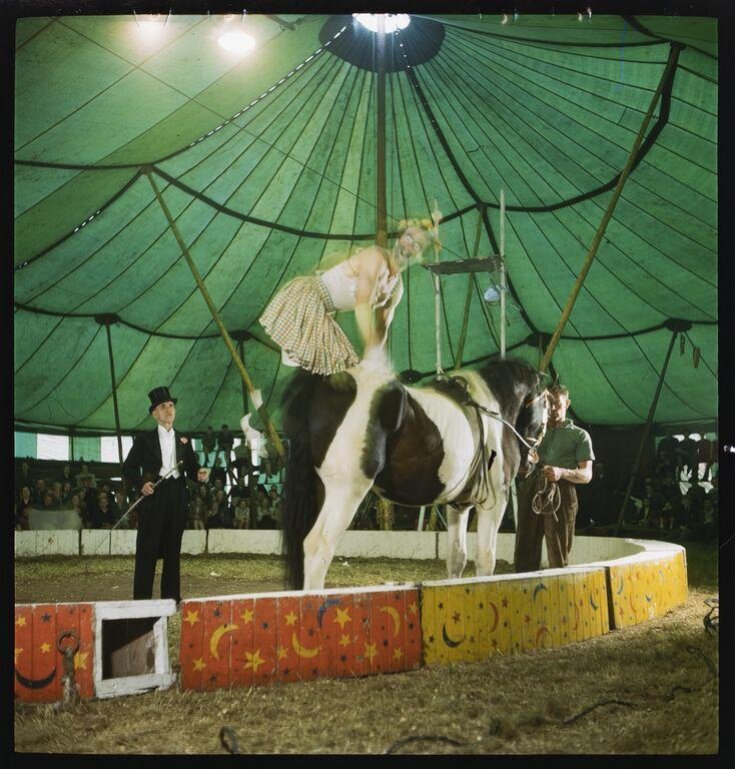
492 293
236 42
391 21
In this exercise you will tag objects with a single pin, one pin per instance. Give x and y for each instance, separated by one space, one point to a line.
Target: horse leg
457 518
342 497
489 518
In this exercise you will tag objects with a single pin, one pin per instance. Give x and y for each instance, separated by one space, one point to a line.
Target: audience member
225 442
23 503
38 491
241 513
209 440
689 449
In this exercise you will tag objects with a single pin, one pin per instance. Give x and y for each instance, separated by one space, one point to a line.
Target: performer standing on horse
566 458
300 318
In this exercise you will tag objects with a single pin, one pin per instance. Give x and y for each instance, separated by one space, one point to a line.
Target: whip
142 496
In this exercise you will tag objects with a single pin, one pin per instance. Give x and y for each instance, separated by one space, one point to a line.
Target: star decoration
344 640
192 617
456 617
217 612
21 621
527 619
385 642
45 648
80 660
370 651
46 618
342 618
291 619
254 660
505 603
199 664
282 653
397 654
413 608
247 616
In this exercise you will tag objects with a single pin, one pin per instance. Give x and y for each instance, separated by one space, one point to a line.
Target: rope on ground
228 738
584 712
712 623
711 665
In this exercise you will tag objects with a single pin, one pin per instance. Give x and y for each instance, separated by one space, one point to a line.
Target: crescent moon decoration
539 587
620 586
630 603
649 598
497 617
302 651
447 640
539 634
323 608
593 604
39 683
218 633
396 619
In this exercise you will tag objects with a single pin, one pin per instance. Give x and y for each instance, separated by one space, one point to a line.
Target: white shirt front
167 441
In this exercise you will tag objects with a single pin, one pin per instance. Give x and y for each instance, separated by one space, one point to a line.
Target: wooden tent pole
468 297
381 224
673 58
108 320
260 406
676 328
502 274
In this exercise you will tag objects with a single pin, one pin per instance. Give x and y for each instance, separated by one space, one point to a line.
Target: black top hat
159 395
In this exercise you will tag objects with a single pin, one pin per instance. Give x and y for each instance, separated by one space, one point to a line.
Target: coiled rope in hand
547 497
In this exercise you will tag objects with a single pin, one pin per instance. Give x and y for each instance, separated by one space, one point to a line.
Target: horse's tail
301 481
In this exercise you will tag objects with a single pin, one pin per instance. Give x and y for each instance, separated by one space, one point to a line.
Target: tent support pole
468 297
676 327
670 65
107 321
381 224
270 429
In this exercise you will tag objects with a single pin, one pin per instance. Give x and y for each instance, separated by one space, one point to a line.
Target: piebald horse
456 441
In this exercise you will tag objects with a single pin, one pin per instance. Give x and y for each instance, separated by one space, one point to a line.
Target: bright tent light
236 42
393 21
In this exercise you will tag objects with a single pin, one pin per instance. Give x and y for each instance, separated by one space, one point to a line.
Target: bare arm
582 474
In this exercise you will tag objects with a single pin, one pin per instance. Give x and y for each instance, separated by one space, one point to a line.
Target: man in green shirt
565 458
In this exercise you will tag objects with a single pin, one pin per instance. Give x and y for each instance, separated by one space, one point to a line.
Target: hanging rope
436 217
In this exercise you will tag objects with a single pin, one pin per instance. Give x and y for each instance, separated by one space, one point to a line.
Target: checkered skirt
300 319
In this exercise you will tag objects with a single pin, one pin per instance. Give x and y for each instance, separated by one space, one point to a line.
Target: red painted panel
47 663
243 620
25 679
216 651
329 635
69 617
85 675
381 627
307 643
263 658
287 659
191 645
413 630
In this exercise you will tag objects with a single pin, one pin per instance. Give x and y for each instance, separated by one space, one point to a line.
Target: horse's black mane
510 379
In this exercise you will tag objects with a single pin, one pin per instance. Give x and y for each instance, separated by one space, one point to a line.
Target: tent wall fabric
267 163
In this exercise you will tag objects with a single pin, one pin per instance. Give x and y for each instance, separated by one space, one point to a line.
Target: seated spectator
197 512
66 493
56 491
241 464
84 475
689 449
75 503
220 499
218 473
238 491
38 491
23 476
49 501
241 513
214 516
22 504
101 514
66 475
274 504
208 442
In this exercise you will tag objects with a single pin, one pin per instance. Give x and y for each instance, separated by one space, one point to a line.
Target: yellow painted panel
582 596
565 618
542 615
454 634
499 600
430 626
601 593
527 614
555 625
516 616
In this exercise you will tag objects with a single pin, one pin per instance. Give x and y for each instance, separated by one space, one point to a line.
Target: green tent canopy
268 164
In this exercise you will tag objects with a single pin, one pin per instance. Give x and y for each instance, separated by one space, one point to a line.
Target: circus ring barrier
262 638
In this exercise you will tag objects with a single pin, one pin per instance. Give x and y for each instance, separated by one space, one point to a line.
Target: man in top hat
161 454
